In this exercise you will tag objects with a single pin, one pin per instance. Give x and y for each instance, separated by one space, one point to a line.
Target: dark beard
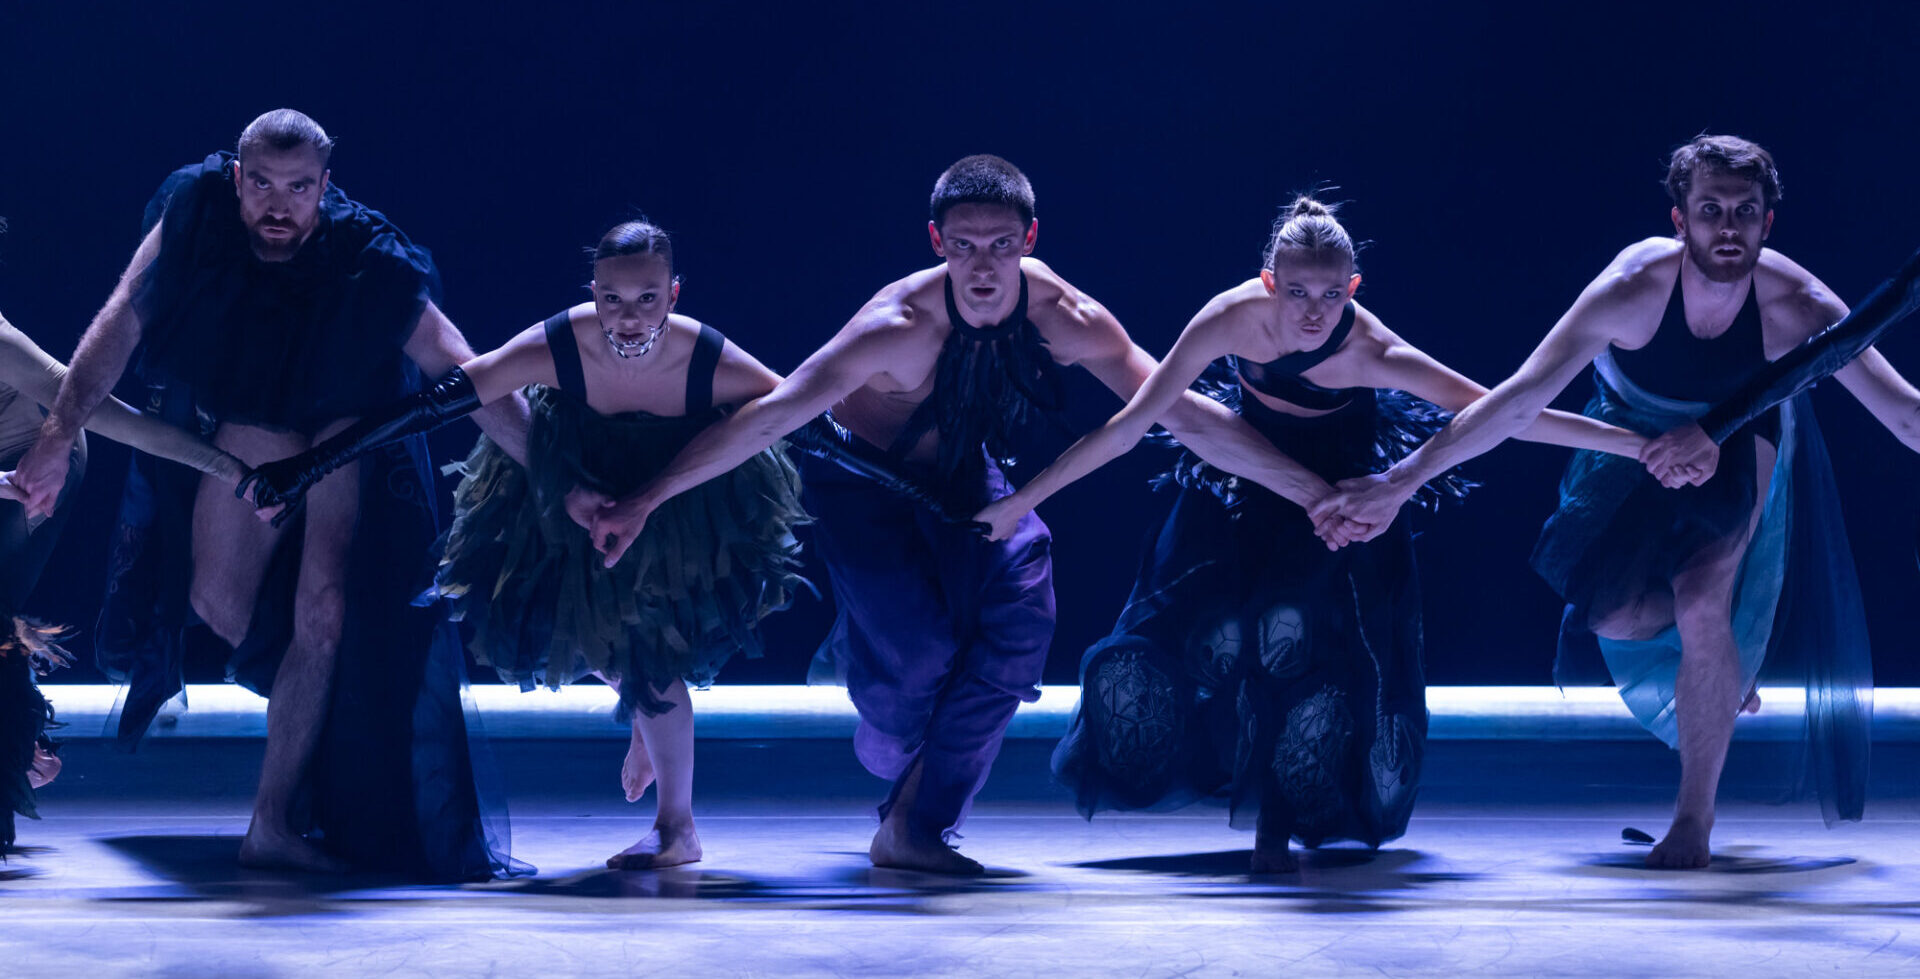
268 250
1717 270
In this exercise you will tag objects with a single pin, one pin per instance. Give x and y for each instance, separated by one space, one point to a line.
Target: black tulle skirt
1252 665
1797 617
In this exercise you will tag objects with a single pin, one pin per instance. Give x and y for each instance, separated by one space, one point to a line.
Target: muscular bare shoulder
1794 304
896 336
905 310
1650 264
1074 324
1624 303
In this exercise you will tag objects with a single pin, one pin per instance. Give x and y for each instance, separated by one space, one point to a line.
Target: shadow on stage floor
1515 863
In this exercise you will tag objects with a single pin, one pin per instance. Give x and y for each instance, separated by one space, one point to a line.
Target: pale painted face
983 245
632 296
1724 223
1310 295
279 192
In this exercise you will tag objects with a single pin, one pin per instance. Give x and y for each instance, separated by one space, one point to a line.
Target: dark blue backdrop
1496 155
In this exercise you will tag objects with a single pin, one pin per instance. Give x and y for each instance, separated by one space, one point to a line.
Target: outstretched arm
1407 368
28 369
863 349
493 380
437 345
1580 335
1836 342
1829 349
97 365
1159 393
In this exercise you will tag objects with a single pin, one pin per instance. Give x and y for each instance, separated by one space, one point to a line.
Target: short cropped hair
284 129
982 179
1722 154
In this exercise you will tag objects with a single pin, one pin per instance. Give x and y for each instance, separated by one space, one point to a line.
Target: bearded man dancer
1732 561
941 633
266 304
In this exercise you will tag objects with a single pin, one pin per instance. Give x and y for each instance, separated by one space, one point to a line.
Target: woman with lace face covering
1262 658
617 386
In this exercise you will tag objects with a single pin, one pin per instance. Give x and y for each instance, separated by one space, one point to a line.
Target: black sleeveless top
1678 365
572 376
989 382
1280 377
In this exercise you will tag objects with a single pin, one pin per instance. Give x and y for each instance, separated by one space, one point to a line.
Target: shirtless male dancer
270 302
941 633
1673 325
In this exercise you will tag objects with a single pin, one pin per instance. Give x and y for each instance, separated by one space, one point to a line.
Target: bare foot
666 846
46 768
280 851
1274 856
636 773
902 849
1685 847
1752 704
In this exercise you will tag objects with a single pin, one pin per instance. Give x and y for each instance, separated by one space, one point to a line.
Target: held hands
1358 509
1682 456
583 505
41 474
276 489
617 523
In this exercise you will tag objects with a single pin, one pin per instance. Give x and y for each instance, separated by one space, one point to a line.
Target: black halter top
572 375
989 382
1280 377
1679 365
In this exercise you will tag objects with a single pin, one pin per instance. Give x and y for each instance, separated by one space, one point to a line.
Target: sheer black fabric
1252 665
1797 617
400 782
289 345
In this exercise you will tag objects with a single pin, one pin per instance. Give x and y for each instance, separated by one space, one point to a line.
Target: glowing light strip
753 712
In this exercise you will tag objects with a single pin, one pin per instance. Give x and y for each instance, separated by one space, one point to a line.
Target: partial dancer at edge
29 379
942 634
1251 660
1691 587
266 305
618 386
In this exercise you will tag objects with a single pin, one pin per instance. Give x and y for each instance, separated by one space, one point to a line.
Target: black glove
285 482
824 438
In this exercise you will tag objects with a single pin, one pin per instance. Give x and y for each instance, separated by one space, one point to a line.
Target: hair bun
1305 206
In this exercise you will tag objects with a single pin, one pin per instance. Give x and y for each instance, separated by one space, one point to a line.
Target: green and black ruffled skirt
710 564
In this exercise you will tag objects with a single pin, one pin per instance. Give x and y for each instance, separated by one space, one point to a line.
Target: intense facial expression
983 245
279 193
1725 221
632 296
1311 293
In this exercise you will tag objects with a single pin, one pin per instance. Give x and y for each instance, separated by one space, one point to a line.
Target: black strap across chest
572 376
566 355
706 358
926 414
1280 377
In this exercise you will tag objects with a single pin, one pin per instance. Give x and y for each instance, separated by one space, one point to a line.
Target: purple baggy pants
940 634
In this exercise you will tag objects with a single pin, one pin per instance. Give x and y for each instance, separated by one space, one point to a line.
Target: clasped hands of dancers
629 510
